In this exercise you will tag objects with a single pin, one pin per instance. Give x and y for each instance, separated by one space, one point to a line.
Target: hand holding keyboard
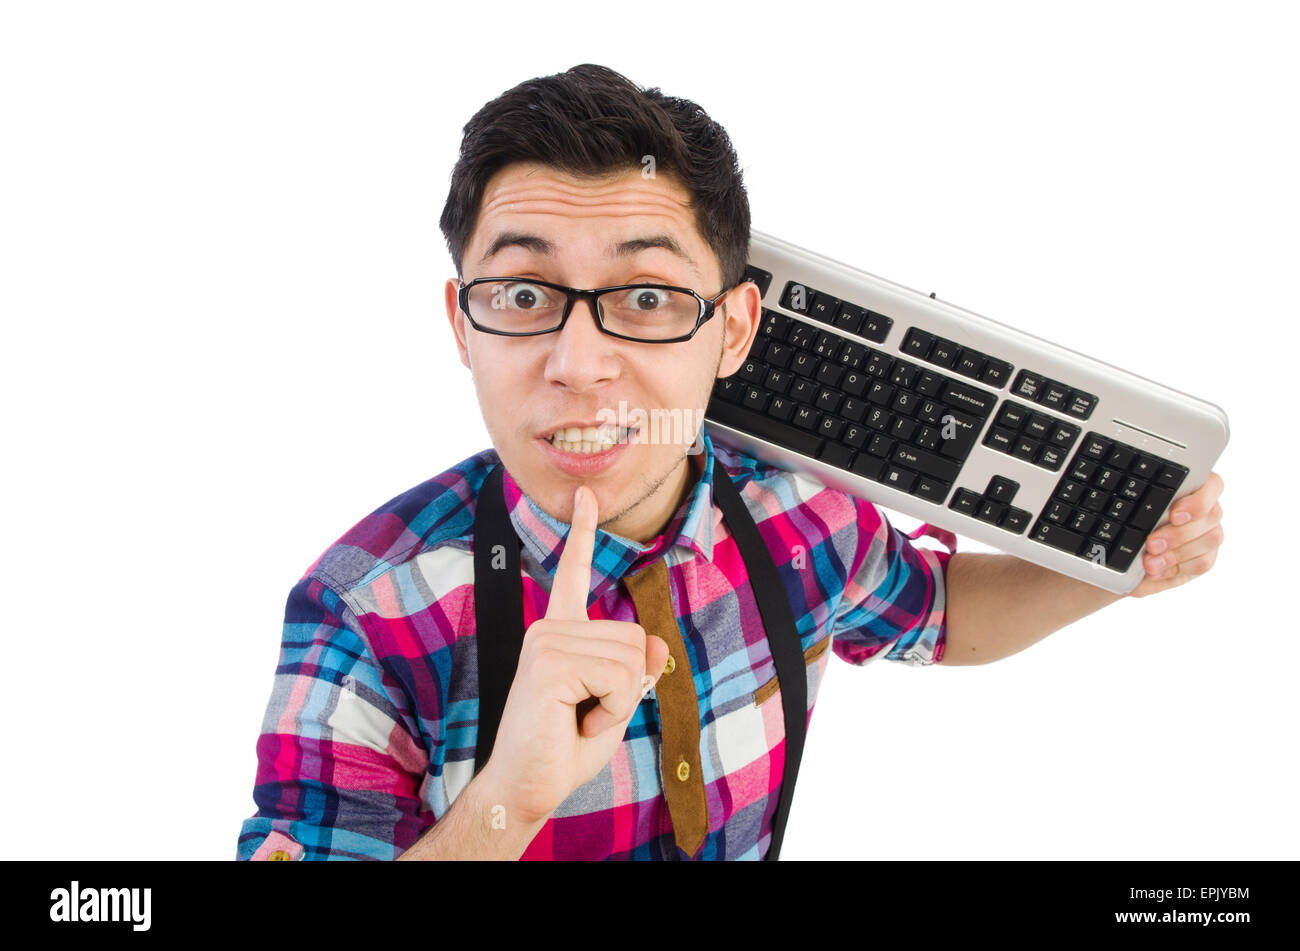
968 424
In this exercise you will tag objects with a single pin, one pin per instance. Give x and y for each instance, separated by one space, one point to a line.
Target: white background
225 342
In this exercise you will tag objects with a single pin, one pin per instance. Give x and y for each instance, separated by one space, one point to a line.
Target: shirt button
279 855
668 668
683 770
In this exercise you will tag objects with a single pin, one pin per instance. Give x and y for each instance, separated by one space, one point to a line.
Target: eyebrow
539 245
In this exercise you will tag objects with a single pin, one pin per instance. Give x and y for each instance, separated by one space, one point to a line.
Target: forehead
531 209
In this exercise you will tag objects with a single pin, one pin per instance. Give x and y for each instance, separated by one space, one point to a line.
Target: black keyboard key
926 462
1172 476
1081 404
1012 416
917 343
957 433
1121 457
775 326
836 454
855 436
991 511
756 424
1028 385
829 373
961 396
1058 537
778 354
971 363
801 336
1015 520
803 391
1151 508
760 277
780 408
1127 548
1145 467
1049 457
805 364
730 389
931 489
876 327
824 308
1055 395
831 427
778 381
1001 489
1003 440
852 355
1026 448
929 384
945 353
1070 491
752 371
1108 479
854 383
900 479
1038 426
1064 435
849 319
805 417
797 297
828 400
878 364
996 374
1096 447
867 466
880 445
755 398
965 501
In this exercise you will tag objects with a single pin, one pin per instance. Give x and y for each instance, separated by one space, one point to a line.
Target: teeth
589 440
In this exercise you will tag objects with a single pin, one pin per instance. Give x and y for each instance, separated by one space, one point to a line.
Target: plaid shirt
371 727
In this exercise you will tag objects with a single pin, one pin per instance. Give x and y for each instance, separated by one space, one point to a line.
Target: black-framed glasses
645 313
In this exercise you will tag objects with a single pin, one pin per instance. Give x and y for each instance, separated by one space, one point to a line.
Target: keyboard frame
1131 409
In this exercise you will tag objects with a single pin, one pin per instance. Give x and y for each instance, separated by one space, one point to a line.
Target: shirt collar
690 527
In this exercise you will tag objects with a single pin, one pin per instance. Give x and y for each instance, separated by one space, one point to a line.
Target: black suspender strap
782 637
498 609
499 622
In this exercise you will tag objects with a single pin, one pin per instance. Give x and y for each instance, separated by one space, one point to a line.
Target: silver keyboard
955 419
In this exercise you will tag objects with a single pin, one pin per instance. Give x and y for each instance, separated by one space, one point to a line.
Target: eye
521 296
645 298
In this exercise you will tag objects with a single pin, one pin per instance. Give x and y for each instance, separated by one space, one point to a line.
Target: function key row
1034 437
1108 502
830 310
944 353
1054 395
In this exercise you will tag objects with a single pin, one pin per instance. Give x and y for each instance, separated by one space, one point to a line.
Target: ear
743 315
457 318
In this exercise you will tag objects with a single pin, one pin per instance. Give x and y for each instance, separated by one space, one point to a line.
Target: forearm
997 605
477 826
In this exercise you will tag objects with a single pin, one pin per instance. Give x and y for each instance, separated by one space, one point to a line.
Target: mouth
589 440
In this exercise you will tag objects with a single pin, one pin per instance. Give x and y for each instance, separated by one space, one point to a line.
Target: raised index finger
573 573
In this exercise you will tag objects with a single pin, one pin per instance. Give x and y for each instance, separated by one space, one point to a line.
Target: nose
582 356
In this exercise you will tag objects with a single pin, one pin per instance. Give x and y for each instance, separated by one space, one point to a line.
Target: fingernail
1181 518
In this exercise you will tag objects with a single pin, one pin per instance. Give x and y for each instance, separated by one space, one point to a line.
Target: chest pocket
811 656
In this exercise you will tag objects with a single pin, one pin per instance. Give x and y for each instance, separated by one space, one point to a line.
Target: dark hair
592 121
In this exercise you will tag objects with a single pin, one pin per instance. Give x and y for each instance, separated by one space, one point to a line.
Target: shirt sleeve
338 772
893 599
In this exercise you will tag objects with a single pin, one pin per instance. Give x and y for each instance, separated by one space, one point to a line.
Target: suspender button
683 770
668 668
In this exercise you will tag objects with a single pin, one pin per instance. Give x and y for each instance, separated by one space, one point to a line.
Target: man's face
529 386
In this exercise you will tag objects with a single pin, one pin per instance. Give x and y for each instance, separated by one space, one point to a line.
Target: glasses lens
516 306
649 313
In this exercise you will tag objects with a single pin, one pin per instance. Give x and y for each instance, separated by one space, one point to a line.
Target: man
369 747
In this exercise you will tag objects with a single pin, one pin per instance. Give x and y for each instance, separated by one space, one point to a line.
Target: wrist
496 797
